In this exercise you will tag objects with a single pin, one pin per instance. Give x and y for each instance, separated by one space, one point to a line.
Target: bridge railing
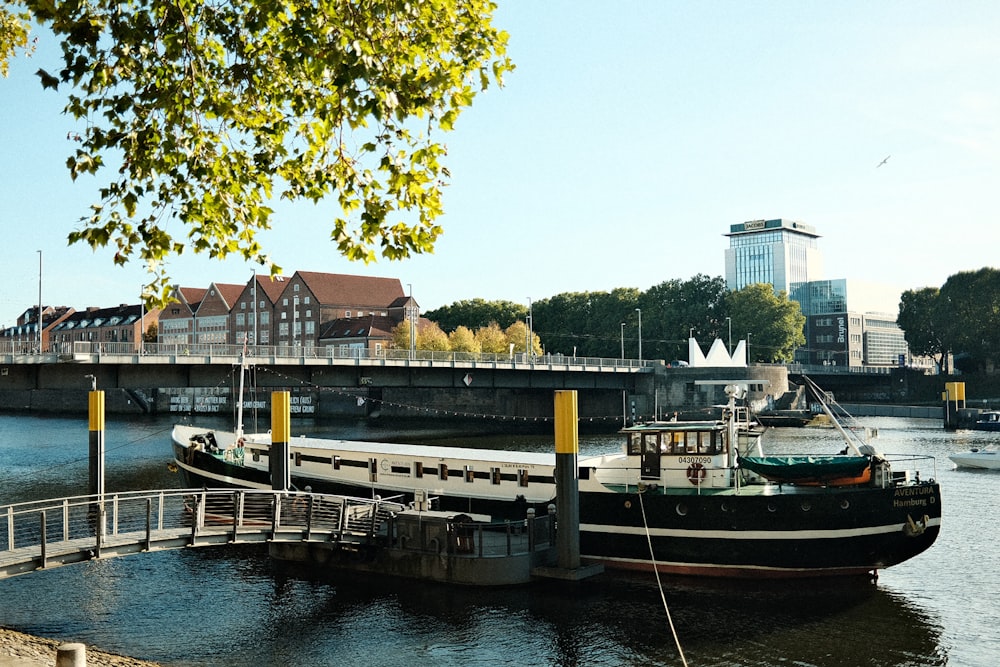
119 352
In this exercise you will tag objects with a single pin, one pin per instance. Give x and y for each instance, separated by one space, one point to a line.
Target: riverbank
21 650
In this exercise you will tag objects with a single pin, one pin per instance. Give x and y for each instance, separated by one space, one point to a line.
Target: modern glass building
779 252
849 323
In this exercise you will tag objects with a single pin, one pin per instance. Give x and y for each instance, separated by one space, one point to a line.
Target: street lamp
410 317
623 341
639 310
39 302
729 321
528 351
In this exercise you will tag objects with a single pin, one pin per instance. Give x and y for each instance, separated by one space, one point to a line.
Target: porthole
682 509
844 504
806 506
628 504
771 507
724 506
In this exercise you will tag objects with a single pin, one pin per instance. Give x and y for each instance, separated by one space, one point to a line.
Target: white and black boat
700 494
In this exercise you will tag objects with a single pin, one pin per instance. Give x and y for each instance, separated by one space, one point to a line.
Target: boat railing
906 468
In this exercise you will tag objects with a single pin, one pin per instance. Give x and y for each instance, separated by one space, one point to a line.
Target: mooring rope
659 584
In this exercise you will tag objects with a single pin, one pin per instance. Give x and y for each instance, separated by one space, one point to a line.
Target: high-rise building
778 252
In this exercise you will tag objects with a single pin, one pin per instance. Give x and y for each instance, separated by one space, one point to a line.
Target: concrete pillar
567 480
281 428
71 655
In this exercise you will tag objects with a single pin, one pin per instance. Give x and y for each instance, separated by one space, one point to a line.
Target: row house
280 311
23 337
197 316
123 324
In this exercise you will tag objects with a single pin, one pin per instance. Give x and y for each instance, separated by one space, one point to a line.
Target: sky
618 153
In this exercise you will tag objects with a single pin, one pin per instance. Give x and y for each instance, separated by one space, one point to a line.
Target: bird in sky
883 161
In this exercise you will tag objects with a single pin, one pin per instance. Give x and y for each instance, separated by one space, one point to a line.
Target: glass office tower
779 252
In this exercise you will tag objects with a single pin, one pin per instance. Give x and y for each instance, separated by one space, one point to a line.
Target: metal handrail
71 529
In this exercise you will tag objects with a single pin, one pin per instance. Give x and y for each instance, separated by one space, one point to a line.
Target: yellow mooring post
281 428
95 410
567 480
954 400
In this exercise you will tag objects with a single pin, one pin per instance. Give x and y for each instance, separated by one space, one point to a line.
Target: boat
987 420
681 497
785 418
982 459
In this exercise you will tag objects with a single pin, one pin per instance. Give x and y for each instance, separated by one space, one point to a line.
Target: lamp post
253 309
39 302
411 318
142 319
528 338
729 321
623 341
639 310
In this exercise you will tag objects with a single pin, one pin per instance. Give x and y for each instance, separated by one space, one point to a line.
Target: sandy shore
20 650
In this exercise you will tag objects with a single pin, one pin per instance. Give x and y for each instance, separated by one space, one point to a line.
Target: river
232 606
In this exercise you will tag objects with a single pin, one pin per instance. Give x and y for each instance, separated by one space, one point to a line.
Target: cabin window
470 474
635 443
373 470
522 477
336 462
418 469
443 471
256 455
298 458
495 475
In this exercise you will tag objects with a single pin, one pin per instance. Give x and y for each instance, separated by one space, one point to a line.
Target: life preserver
696 473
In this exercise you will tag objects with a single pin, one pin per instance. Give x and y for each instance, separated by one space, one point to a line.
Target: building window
243 305
305 300
240 319
310 328
265 317
284 302
295 287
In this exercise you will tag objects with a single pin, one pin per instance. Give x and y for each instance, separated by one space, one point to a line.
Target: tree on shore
201 113
924 323
774 322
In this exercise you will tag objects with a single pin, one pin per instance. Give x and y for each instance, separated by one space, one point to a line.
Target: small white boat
984 459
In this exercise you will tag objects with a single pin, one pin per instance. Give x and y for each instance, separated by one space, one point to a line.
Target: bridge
49 533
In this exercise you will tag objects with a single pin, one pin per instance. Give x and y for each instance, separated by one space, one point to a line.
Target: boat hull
988 460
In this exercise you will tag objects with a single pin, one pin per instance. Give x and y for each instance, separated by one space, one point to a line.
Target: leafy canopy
209 109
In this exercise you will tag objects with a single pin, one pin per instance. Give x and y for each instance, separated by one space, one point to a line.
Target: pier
369 535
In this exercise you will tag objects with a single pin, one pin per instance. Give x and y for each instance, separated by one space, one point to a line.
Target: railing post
65 519
159 517
275 511
530 524
99 529
41 534
237 514
194 519
149 524
309 515
114 514
10 528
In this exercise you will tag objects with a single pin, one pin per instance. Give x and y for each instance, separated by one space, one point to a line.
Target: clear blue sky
631 135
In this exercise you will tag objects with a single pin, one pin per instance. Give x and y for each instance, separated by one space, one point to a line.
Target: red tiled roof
333 289
272 286
229 293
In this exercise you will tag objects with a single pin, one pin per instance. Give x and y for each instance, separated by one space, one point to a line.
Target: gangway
44 534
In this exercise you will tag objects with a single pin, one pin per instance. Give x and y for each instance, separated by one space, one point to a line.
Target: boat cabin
689 454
